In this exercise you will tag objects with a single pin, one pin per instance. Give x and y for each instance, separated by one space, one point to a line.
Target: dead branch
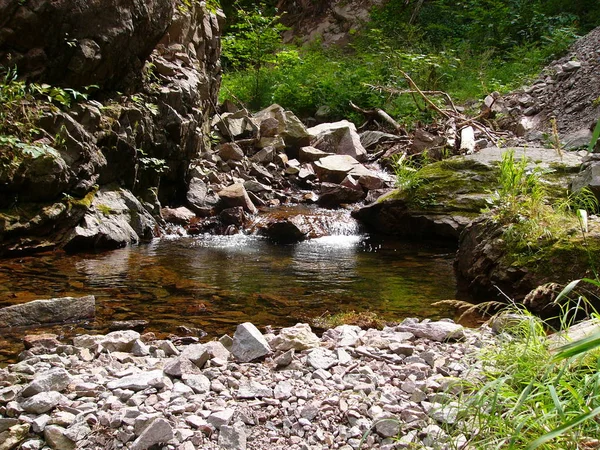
381 114
450 114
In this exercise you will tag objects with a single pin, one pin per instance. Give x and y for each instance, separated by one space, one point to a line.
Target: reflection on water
216 282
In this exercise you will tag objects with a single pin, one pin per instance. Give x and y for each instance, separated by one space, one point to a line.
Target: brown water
217 282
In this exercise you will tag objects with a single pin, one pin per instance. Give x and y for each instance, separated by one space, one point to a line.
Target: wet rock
199 198
287 229
371 139
55 310
116 218
178 216
333 195
249 343
339 138
335 168
46 341
236 195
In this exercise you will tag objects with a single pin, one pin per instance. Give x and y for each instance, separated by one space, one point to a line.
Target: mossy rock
453 192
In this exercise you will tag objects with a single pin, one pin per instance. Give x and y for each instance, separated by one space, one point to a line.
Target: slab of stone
199 383
56 379
236 195
139 381
179 366
436 331
43 402
54 310
254 389
249 343
322 358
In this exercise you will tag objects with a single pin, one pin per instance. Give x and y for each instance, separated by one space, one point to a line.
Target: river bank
389 388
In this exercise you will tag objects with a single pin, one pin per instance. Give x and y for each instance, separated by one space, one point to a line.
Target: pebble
288 390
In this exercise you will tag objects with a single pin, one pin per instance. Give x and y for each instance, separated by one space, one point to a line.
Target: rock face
330 393
101 43
165 59
484 265
54 310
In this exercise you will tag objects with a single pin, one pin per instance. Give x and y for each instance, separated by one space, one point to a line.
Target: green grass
528 398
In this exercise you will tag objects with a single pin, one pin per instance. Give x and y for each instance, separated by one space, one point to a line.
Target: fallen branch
381 114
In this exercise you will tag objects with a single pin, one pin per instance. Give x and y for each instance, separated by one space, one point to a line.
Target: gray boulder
116 218
158 431
43 402
340 138
249 343
56 379
54 310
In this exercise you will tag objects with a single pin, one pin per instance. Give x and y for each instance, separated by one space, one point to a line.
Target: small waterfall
304 222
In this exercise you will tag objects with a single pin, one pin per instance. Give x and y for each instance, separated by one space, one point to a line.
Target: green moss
85 202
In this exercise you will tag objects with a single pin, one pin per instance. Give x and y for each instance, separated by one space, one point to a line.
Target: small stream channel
216 282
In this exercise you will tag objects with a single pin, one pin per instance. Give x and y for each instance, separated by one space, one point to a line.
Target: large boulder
340 138
289 127
97 43
55 310
115 219
236 195
447 195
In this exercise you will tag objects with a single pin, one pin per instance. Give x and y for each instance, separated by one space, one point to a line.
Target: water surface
216 282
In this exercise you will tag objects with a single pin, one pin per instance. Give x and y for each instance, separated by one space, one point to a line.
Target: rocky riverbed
349 389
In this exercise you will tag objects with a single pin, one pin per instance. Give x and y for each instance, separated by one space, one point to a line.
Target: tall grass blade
557 402
595 136
565 427
578 347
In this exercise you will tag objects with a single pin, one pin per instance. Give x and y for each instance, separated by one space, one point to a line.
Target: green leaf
564 427
578 347
595 136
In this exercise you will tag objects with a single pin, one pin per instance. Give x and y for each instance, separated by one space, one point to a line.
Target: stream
216 282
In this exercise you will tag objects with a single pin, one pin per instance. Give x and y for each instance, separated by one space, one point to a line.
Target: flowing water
216 282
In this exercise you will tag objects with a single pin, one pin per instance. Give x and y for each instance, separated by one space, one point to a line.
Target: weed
407 173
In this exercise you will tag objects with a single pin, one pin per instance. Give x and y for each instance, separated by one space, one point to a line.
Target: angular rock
236 195
200 198
13 436
196 353
56 437
298 337
249 343
219 419
179 366
322 358
198 382
120 341
56 379
43 402
55 310
178 216
139 381
436 331
157 432
333 195
311 154
340 138
117 218
233 437
231 151
254 389
46 340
